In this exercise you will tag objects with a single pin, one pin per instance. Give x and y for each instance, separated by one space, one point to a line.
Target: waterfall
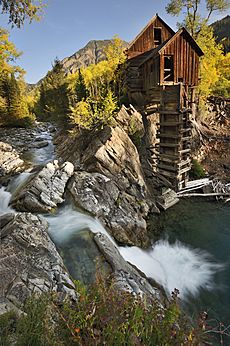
18 181
5 197
175 266
69 221
172 265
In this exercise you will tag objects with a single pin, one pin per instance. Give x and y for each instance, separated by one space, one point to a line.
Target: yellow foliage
91 113
8 54
213 63
222 86
81 114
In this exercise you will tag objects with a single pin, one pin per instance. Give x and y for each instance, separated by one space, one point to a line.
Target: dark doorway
157 36
168 68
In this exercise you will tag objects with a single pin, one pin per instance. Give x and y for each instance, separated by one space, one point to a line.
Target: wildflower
190 337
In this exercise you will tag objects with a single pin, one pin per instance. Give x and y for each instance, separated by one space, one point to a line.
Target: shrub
90 113
103 315
197 170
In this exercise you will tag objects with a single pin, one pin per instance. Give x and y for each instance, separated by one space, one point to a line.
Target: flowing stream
193 255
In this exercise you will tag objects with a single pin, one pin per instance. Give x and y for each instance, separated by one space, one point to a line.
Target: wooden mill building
161 76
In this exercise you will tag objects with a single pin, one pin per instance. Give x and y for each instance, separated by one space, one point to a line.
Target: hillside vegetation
221 30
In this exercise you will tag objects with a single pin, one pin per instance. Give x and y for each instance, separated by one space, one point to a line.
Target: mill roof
153 52
152 20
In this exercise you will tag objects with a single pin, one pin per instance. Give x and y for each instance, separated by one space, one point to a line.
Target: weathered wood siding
146 40
186 61
151 73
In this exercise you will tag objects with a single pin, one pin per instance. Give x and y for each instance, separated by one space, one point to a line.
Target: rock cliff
29 261
92 53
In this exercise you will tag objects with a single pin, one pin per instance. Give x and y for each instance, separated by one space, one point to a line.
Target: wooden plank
212 194
168 145
170 123
167 167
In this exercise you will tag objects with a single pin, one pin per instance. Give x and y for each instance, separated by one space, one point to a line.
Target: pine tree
53 103
81 90
13 107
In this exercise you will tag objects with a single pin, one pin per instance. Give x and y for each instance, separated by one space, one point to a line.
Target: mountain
92 53
222 32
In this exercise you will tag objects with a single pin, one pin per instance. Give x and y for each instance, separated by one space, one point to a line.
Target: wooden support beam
168 145
184 151
170 123
168 135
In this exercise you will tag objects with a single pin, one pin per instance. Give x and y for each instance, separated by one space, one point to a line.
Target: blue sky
67 25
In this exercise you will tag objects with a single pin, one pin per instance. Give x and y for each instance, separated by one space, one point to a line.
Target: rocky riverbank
212 142
109 185
102 173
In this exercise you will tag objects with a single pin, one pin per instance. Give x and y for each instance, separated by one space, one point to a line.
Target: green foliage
91 113
53 103
7 327
212 73
86 98
101 316
221 32
21 10
13 103
197 170
81 90
193 20
93 88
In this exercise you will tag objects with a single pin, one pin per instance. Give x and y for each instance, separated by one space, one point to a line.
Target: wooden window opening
168 68
157 37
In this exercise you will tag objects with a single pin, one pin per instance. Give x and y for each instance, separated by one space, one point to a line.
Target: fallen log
213 194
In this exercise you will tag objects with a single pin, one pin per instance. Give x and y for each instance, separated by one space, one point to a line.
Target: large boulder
29 261
121 212
126 276
44 191
109 151
10 162
109 182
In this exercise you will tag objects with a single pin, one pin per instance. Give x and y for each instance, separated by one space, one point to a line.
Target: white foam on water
175 266
69 221
172 265
18 181
5 197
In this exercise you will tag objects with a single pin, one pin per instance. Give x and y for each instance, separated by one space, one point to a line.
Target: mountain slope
222 32
92 53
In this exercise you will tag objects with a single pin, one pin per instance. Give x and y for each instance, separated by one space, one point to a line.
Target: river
204 225
192 255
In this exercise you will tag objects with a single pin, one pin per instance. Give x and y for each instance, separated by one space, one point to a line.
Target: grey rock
10 162
40 144
130 120
126 277
92 53
120 198
45 190
122 213
29 261
109 152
